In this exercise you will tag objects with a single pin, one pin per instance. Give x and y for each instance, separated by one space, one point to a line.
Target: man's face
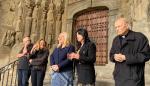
26 41
121 27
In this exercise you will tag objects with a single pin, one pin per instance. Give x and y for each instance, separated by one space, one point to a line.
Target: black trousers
37 77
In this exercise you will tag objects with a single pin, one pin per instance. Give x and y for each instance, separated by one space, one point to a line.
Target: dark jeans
23 77
37 77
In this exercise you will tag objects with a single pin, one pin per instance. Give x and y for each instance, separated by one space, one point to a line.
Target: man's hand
25 49
20 55
119 57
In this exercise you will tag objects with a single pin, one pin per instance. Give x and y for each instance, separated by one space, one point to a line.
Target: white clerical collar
123 37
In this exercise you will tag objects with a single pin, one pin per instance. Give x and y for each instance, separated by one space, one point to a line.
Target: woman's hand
59 45
70 56
55 67
73 56
77 56
30 60
33 48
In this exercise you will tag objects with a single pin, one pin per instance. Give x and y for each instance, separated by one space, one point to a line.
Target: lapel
118 43
130 37
83 48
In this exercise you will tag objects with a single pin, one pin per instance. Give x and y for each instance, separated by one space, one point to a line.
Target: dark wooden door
96 23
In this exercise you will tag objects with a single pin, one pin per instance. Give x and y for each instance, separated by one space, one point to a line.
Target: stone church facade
47 18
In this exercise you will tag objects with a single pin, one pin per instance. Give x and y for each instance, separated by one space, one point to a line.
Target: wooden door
96 23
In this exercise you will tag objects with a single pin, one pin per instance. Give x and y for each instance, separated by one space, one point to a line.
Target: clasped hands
119 57
55 68
73 56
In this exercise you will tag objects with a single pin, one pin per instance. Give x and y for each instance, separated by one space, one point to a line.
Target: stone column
69 29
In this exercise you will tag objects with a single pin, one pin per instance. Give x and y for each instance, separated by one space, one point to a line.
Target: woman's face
42 44
79 38
61 39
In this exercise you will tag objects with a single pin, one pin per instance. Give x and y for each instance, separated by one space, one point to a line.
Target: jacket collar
129 37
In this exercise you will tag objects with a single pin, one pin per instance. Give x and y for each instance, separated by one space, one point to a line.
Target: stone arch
75 8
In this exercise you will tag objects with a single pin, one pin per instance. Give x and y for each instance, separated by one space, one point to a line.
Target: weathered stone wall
7 18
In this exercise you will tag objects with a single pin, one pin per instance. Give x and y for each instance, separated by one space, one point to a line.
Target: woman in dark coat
130 50
86 57
38 61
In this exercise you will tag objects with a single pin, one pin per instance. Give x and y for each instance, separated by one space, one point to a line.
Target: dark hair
83 32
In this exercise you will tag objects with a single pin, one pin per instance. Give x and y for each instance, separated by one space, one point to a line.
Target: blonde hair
66 38
37 44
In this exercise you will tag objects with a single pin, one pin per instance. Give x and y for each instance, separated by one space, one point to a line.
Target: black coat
136 48
85 66
39 59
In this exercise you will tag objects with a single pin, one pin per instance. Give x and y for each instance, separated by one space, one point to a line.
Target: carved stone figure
18 30
43 23
59 4
8 38
35 20
19 23
28 20
50 24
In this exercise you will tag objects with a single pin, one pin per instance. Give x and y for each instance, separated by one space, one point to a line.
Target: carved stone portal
35 18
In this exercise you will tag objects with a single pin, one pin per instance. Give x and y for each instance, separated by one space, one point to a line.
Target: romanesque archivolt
35 18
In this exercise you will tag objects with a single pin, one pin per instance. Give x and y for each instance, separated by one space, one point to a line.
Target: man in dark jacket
130 50
23 62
